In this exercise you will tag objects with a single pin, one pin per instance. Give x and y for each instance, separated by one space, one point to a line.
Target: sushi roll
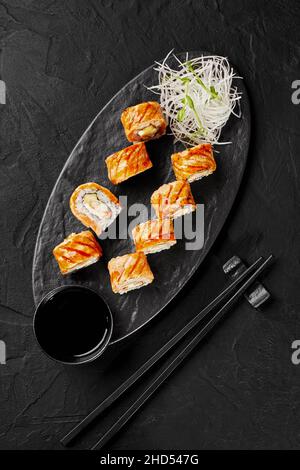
129 272
154 236
77 251
95 206
173 200
143 122
194 163
127 163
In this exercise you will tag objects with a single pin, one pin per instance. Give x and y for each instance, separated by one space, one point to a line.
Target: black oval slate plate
172 268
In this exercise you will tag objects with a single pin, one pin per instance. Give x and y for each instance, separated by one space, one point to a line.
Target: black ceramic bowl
73 324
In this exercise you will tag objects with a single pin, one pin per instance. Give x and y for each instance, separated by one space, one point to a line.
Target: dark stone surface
61 62
172 269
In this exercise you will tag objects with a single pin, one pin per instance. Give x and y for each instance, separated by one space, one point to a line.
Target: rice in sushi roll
173 200
95 206
194 163
128 162
129 272
77 251
143 122
154 235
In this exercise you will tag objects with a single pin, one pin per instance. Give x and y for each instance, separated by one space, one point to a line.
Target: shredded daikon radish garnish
197 97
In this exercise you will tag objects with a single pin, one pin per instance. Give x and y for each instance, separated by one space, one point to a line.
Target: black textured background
62 61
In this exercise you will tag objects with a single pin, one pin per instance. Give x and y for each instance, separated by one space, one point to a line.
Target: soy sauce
72 324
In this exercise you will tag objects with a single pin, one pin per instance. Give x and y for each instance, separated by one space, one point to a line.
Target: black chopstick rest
257 295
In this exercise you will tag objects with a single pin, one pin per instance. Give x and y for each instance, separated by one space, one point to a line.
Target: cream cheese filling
96 207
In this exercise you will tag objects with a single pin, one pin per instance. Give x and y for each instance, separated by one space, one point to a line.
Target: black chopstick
155 358
174 363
